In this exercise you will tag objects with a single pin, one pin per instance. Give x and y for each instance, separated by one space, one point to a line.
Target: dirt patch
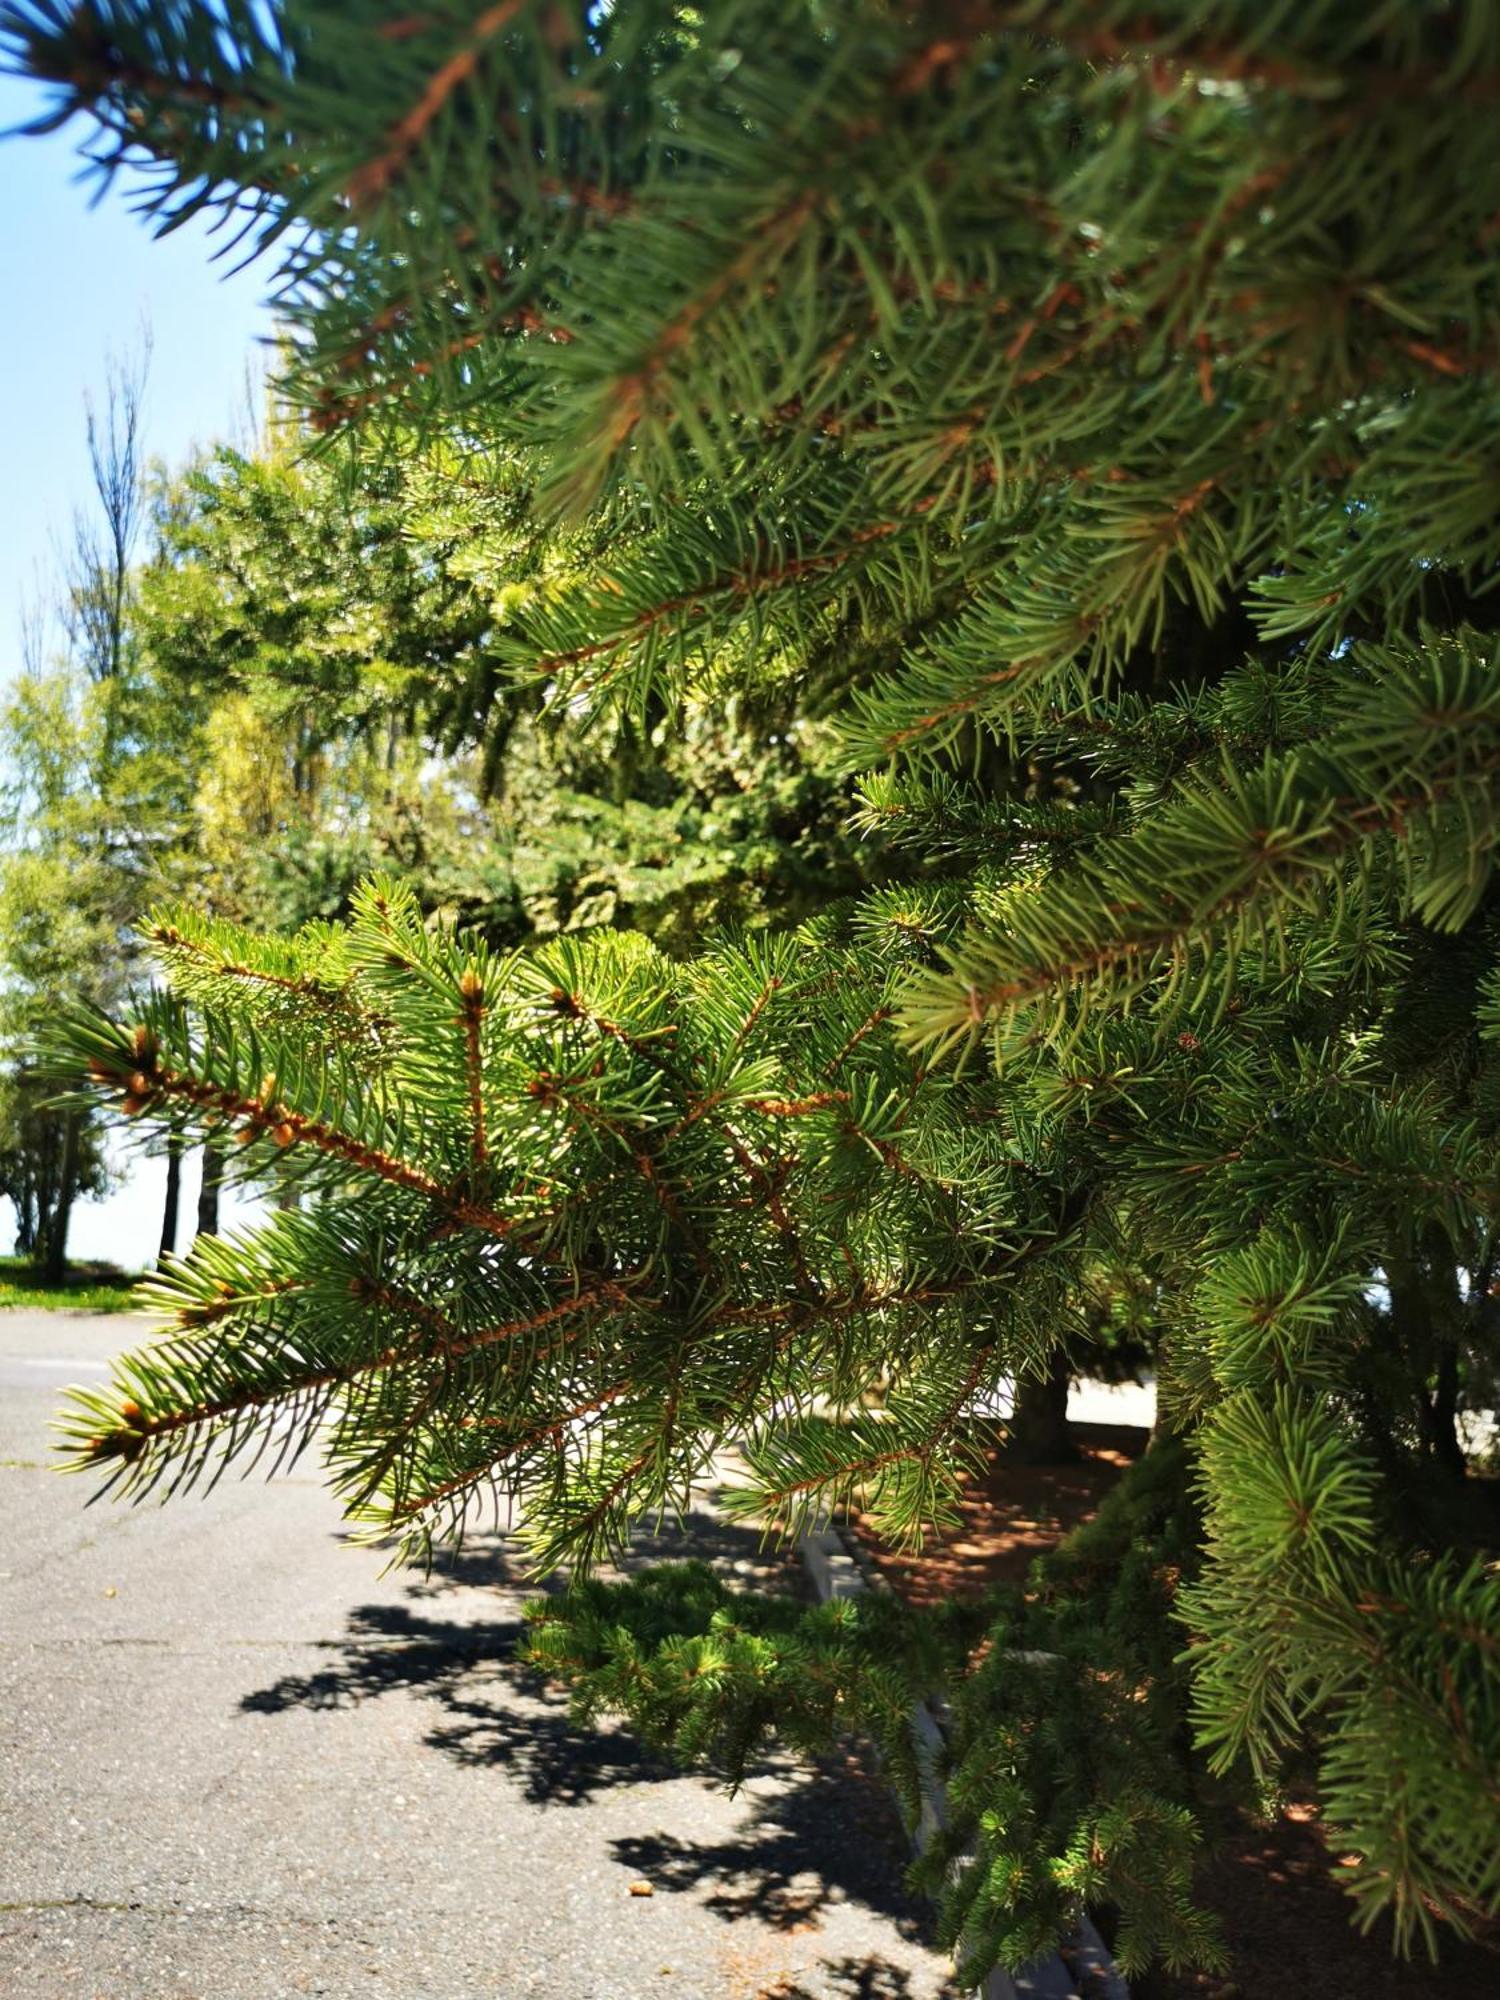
1287 1925
1008 1518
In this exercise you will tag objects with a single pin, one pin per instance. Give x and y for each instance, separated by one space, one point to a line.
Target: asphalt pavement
238 1762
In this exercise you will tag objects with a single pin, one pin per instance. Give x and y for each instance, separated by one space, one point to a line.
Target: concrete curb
1083 1969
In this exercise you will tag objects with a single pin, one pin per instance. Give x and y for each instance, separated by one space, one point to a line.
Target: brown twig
371 180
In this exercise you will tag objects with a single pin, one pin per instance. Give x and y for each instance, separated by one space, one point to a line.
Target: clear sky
80 281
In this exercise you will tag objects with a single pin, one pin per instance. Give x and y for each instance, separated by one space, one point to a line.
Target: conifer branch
465 1483
375 176
1087 413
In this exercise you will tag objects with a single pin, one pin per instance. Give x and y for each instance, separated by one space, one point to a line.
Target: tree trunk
45 1189
26 1242
1427 1316
1038 1425
55 1248
173 1201
208 1193
42 1227
1441 1423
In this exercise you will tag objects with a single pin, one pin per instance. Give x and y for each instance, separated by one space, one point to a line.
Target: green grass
96 1288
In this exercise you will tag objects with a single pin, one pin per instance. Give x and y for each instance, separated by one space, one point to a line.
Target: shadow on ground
832 1835
810 1837
494 1710
849 1979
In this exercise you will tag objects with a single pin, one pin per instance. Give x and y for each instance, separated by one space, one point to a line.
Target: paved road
236 1762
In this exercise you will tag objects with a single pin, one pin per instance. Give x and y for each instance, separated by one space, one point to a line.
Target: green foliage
88 808
703 1673
1201 315
1070 1781
1085 417
1399 782
339 591
92 805
1067 1783
340 627
1302 1617
33 1149
583 1215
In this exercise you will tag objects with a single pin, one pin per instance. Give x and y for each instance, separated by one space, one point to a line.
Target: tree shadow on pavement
493 1710
501 1714
387 1647
811 1838
848 1979
513 1723
831 1835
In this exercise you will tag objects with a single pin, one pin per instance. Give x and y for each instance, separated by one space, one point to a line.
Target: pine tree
1094 411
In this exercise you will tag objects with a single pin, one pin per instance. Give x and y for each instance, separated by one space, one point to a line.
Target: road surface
237 1762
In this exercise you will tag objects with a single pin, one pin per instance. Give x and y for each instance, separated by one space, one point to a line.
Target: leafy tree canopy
340 625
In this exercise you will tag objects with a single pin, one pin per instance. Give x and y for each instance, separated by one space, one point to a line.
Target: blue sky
80 280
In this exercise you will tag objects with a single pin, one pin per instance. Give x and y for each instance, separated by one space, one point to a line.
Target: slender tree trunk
42 1226
1442 1417
1038 1425
55 1252
1427 1316
46 1189
173 1201
208 1192
1451 1324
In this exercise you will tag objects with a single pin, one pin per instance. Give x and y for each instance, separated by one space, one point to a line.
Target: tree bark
42 1228
1038 1428
45 1189
173 1201
55 1249
1427 1316
1442 1416
208 1192
26 1223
